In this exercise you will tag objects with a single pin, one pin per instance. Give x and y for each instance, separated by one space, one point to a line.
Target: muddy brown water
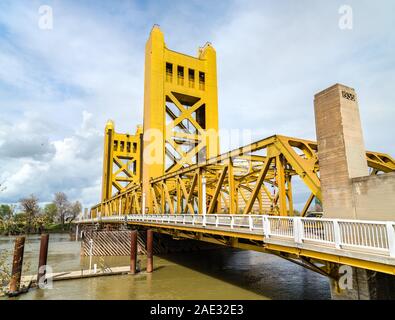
212 274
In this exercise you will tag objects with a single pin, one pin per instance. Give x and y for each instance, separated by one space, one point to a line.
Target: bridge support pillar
150 240
341 149
42 262
133 251
17 263
348 191
361 284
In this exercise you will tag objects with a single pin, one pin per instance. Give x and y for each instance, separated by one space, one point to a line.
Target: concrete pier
341 149
365 285
348 191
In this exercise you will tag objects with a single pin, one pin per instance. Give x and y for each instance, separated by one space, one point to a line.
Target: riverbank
54 228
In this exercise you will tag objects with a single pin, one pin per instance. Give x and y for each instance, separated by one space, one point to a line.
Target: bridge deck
359 243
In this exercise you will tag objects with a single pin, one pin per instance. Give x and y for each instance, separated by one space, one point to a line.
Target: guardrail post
266 226
391 238
298 228
336 233
193 219
232 221
204 222
250 223
216 221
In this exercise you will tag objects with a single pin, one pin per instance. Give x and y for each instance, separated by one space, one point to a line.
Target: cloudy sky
58 87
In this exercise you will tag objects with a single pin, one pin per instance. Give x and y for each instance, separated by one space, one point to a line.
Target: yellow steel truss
256 178
121 161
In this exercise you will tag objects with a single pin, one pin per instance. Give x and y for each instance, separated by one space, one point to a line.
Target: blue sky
58 87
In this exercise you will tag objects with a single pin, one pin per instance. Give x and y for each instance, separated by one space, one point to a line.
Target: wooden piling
17 263
42 261
133 251
150 240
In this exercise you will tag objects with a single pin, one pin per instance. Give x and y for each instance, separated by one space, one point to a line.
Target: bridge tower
121 160
180 109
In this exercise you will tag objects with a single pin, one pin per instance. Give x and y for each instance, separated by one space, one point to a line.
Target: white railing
367 236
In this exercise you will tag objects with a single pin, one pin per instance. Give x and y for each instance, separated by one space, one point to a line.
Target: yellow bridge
171 177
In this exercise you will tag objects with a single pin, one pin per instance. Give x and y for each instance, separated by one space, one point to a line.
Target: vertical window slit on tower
169 72
191 77
180 75
202 80
134 166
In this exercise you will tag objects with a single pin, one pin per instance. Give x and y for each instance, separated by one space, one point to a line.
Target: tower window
191 77
202 80
180 75
169 72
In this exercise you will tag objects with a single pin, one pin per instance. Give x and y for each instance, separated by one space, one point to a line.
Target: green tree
75 210
31 209
6 211
50 212
6 216
62 206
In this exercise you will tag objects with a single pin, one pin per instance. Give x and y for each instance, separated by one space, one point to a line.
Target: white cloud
74 168
272 59
27 138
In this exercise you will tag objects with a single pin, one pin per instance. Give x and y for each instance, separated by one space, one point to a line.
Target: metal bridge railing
371 236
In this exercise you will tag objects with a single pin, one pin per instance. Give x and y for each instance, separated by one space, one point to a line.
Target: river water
212 274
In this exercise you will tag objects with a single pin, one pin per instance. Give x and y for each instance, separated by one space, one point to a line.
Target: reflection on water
213 274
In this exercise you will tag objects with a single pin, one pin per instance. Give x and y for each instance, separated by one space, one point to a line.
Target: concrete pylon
341 149
345 194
